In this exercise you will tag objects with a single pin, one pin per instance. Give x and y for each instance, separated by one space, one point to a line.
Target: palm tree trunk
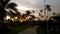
2 13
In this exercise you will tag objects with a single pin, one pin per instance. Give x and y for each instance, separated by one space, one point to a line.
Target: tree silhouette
42 16
41 11
39 14
6 5
53 13
48 7
28 12
2 13
23 15
3 4
2 7
33 17
12 14
33 11
12 6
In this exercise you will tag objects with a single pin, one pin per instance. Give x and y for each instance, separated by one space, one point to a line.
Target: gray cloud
39 4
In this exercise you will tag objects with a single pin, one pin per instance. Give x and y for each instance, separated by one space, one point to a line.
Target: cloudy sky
37 5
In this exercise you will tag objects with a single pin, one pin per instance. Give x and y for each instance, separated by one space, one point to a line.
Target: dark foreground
44 27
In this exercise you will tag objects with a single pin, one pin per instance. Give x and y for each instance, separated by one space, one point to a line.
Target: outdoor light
7 17
21 20
15 17
12 19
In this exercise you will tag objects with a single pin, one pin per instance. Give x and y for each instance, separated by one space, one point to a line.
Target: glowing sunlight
23 8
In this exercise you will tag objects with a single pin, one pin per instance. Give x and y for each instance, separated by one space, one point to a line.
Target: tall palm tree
7 5
12 14
2 6
2 13
12 6
4 2
48 7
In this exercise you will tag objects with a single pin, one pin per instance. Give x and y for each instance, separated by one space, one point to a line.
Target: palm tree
4 4
33 11
42 16
12 14
2 8
2 13
53 13
48 7
28 12
12 6
7 5
39 14
33 17
23 15
41 11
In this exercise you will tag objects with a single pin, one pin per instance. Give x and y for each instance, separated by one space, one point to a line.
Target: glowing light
7 17
15 17
21 20
12 19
